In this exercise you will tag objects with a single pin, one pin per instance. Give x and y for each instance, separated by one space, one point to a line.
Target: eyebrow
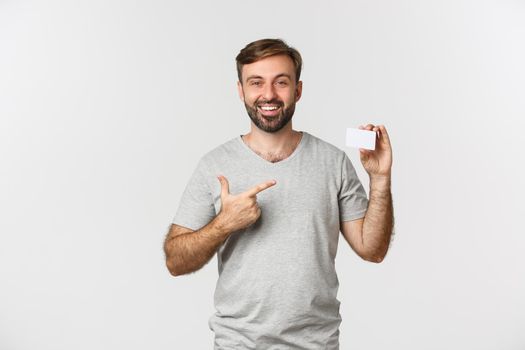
277 76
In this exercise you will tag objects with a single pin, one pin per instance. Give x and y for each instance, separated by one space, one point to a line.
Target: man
282 196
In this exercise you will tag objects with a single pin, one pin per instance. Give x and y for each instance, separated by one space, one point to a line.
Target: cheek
289 97
248 99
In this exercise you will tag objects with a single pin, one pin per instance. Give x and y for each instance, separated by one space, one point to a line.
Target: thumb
225 186
364 154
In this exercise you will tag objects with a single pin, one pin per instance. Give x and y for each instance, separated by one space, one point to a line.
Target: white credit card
361 138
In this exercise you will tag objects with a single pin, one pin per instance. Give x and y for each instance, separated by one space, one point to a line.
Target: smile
268 108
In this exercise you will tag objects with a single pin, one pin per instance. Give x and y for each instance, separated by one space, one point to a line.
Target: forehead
270 67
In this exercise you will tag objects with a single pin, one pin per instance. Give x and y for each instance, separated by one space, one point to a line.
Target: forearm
379 219
190 251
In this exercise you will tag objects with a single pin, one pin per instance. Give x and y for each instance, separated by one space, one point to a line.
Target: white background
106 107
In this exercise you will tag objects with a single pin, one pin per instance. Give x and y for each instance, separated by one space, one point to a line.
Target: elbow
374 257
172 269
178 269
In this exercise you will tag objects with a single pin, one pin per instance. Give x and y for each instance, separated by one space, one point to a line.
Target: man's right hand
241 210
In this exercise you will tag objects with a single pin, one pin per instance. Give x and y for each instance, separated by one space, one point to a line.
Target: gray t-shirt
277 285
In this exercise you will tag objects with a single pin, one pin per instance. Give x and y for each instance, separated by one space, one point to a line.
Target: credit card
361 138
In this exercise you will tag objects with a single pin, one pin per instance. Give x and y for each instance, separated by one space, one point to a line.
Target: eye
255 83
282 83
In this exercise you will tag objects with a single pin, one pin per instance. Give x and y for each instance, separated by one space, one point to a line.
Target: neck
273 146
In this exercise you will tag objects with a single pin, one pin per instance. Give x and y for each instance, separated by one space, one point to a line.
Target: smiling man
270 109
271 205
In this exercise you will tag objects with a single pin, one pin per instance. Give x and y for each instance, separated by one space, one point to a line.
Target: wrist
219 225
380 181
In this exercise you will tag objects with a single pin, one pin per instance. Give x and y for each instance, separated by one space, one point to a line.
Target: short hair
263 48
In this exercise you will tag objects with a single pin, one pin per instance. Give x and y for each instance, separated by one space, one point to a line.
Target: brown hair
260 49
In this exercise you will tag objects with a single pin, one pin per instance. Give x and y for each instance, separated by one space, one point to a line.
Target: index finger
384 134
260 187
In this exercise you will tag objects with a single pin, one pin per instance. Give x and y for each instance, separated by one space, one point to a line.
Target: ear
240 91
298 90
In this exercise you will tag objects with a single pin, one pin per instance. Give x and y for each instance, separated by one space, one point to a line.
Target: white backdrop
106 107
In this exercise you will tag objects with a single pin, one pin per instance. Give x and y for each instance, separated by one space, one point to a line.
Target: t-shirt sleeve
196 207
353 201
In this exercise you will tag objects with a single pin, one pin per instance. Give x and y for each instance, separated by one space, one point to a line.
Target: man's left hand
377 163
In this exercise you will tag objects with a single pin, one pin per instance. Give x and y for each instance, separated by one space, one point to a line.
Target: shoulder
325 148
220 153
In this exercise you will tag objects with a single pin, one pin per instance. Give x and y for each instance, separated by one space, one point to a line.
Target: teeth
268 108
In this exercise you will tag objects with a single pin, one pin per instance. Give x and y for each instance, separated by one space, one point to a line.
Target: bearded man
271 205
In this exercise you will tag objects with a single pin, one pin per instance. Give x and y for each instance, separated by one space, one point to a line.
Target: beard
270 124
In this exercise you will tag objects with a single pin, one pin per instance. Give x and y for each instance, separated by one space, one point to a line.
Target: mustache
269 102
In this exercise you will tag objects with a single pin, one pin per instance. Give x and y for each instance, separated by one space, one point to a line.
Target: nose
269 92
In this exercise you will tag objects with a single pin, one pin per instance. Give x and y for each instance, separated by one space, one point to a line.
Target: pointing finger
261 187
225 186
